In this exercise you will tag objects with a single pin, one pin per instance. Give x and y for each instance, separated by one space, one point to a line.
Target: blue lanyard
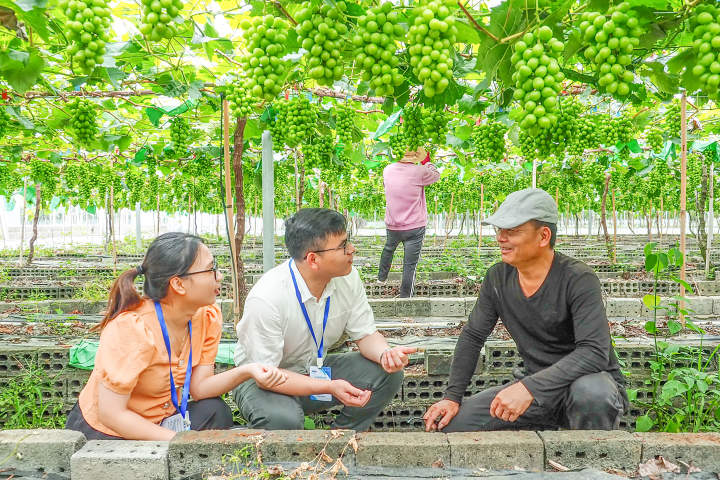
182 408
307 318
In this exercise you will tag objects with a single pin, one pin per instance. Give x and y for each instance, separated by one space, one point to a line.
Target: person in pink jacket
406 213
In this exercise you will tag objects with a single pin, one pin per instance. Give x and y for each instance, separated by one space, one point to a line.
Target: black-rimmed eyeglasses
214 269
343 246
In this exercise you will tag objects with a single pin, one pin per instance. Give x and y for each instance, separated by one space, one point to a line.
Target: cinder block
496 450
210 451
716 305
623 307
602 449
438 362
407 449
413 307
53 358
447 307
708 287
501 356
701 305
121 460
305 445
14 359
699 449
76 381
383 307
38 452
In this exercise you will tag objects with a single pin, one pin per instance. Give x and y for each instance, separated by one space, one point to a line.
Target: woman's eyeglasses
214 269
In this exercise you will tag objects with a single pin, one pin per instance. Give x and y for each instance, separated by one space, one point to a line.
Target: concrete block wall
494 367
436 306
60 453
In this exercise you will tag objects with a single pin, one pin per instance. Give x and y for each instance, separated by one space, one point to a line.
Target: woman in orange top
146 344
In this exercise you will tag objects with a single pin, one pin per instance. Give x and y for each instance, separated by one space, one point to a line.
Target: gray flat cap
522 206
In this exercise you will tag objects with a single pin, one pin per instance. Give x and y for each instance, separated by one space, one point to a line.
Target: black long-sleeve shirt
561 331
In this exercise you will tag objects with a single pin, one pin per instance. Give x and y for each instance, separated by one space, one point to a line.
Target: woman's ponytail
123 296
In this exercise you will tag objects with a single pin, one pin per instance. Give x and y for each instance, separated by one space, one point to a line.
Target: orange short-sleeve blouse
132 359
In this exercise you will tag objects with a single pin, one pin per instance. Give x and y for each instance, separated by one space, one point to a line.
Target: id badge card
321 373
177 423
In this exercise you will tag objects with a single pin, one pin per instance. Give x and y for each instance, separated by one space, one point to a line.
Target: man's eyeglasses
343 246
214 269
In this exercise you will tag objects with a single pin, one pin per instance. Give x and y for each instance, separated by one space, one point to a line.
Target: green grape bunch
46 174
5 121
705 27
538 79
557 138
612 38
79 179
180 134
413 126
618 130
318 153
585 136
158 17
694 171
294 121
436 126
264 67
376 42
430 43
321 31
83 121
654 139
489 141
398 145
344 124
135 181
239 99
673 120
87 31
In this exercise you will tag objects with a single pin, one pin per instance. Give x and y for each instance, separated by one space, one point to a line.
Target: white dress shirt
273 330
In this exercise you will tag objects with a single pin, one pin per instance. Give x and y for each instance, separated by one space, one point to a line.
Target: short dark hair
309 227
553 230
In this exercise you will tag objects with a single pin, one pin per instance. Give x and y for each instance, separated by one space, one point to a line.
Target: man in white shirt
298 310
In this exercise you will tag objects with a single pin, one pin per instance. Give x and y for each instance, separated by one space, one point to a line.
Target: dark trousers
275 411
412 243
206 414
592 402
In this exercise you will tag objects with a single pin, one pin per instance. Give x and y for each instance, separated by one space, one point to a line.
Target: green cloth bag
82 355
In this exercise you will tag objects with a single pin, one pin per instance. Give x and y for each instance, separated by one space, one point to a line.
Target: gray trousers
412 241
275 411
592 402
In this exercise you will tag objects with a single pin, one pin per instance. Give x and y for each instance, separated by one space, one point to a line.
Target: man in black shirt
552 307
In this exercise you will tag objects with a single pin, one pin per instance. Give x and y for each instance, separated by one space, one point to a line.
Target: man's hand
395 359
445 410
511 402
267 377
349 395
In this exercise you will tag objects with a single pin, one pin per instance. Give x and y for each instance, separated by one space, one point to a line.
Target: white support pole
534 174
268 199
711 215
138 227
